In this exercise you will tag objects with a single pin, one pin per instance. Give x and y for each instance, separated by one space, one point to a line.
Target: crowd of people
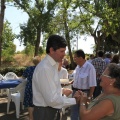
95 85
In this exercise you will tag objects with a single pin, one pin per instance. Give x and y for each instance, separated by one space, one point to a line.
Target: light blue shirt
85 76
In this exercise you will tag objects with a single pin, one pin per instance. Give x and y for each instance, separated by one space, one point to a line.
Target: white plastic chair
2 90
10 75
17 96
1 77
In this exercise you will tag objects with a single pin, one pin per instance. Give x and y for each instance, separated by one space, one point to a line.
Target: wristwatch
89 98
82 104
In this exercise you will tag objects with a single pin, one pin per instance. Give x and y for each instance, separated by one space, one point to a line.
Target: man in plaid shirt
99 65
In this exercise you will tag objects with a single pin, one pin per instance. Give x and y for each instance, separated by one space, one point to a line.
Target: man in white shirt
63 73
84 80
47 91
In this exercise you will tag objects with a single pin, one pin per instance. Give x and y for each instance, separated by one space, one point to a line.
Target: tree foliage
29 50
104 17
40 14
71 18
8 48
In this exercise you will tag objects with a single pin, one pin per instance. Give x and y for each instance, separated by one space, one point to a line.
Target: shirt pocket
84 78
83 75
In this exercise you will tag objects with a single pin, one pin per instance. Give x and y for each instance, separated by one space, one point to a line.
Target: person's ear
51 50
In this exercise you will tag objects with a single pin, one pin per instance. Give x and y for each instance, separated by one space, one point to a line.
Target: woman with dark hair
107 105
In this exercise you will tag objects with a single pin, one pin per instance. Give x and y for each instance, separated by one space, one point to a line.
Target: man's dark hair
80 53
56 42
100 53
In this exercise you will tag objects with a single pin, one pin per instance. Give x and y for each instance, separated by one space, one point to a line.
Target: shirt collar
84 65
51 60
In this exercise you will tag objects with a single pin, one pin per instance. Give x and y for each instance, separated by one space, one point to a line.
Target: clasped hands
81 97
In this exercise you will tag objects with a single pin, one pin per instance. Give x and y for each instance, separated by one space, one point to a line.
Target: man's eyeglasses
106 75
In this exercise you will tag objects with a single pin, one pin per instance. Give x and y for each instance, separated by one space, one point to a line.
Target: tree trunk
37 44
2 9
72 64
98 38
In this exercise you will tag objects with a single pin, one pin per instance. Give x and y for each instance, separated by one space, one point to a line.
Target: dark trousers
46 113
97 91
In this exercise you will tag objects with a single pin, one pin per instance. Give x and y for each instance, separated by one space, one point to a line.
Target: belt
47 107
83 90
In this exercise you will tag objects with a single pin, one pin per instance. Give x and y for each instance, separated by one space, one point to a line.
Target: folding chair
17 96
10 75
1 78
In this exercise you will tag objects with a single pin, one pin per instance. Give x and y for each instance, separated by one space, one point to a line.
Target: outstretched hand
67 91
77 96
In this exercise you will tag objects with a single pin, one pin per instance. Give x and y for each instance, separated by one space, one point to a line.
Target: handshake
81 97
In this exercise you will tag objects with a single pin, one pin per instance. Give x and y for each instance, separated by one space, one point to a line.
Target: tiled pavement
23 113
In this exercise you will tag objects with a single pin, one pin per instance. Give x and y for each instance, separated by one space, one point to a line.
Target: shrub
17 70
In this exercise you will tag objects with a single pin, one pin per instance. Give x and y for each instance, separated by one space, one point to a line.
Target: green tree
111 45
8 48
40 14
70 18
29 50
41 50
105 15
66 22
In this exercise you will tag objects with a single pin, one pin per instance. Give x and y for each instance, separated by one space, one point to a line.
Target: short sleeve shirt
85 76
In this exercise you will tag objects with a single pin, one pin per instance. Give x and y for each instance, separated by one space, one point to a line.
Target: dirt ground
23 113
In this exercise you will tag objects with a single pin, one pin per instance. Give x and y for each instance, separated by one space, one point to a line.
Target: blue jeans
74 110
75 114
97 91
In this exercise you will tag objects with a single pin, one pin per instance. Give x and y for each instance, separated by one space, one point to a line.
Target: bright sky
16 17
